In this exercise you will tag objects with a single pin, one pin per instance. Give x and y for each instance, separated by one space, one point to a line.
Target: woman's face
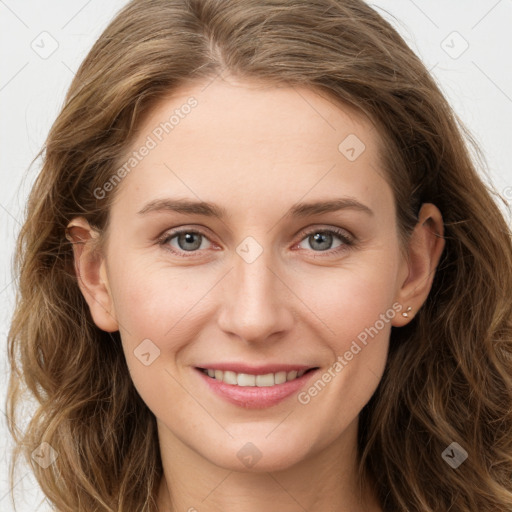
270 286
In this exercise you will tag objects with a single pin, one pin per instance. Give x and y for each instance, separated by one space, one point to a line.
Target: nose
257 303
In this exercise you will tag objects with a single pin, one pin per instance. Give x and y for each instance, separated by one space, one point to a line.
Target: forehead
251 142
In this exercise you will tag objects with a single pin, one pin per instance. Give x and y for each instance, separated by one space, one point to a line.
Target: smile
254 387
247 379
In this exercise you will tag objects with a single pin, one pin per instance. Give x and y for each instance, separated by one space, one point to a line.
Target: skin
256 150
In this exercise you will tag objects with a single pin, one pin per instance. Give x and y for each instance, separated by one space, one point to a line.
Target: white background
478 84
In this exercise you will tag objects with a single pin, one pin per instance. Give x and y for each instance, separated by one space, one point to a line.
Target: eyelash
348 241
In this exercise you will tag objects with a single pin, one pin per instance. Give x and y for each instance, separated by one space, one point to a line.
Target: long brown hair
449 371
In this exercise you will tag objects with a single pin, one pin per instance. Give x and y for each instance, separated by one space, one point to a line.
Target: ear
90 269
425 247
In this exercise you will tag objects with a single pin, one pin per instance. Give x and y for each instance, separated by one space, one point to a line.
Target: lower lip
254 397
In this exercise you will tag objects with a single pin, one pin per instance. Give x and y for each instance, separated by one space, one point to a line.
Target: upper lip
255 369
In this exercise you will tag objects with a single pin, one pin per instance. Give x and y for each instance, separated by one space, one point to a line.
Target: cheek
357 308
153 307
149 298
350 299
159 310
355 305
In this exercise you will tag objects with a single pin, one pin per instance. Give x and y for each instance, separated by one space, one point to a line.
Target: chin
257 456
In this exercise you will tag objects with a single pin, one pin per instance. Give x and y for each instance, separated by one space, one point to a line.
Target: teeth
265 380
246 379
229 377
291 375
279 377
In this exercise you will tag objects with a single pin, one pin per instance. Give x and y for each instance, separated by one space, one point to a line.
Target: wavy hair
448 376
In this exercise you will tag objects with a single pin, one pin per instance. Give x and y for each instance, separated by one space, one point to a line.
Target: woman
256 370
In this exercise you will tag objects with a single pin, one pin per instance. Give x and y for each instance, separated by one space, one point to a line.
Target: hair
448 376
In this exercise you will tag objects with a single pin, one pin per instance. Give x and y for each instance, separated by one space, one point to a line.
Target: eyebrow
207 209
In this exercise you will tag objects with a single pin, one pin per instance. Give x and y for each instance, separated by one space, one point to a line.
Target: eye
321 240
187 240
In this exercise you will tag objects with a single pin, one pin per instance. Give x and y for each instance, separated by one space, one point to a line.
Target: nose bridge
256 303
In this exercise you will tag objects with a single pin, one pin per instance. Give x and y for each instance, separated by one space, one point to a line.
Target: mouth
254 388
255 380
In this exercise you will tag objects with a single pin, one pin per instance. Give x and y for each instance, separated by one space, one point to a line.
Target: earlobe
425 248
91 274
